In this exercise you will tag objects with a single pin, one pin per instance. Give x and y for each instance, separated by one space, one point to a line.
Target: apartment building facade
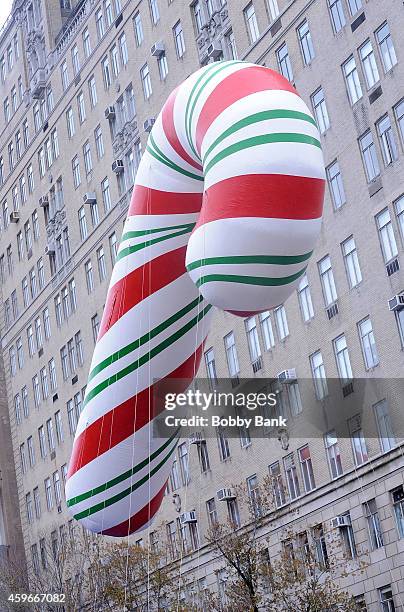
80 85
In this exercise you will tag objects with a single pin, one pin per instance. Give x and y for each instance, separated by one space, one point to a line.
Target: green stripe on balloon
256 118
155 230
255 141
129 348
280 260
143 245
116 498
250 280
121 477
207 76
147 357
172 165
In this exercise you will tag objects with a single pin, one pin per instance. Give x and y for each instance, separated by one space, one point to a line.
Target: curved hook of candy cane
225 211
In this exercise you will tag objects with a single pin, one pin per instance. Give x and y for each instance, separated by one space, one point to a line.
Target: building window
254 494
327 281
211 367
278 487
386 47
337 14
281 322
231 355
106 71
398 506
81 107
86 43
373 522
291 476
320 110
352 80
351 262
318 373
253 342
184 463
99 142
211 512
399 114
336 185
354 6
369 65
358 441
231 45
267 330
82 223
179 39
113 247
252 24
273 8
154 11
386 235
305 301
306 43
102 270
333 454
383 421
92 90
106 194
100 24
387 599
342 359
88 162
347 536
203 456
162 66
224 448
95 326
284 64
306 468
233 513
137 25
368 343
75 60
146 82
76 171
369 156
65 75
387 141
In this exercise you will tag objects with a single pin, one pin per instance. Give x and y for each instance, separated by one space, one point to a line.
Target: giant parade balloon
225 212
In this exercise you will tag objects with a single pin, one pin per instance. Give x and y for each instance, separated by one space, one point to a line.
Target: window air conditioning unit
196 438
188 517
341 521
287 376
157 49
89 197
396 302
148 124
109 112
14 216
117 166
49 249
44 201
214 50
225 494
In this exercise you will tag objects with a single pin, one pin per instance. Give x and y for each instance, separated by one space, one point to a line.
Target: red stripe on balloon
271 196
146 201
167 116
234 87
130 416
140 284
138 520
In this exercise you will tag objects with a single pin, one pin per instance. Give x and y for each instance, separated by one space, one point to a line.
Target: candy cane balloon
225 211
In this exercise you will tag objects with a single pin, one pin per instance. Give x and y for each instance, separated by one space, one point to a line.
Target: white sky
5 10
